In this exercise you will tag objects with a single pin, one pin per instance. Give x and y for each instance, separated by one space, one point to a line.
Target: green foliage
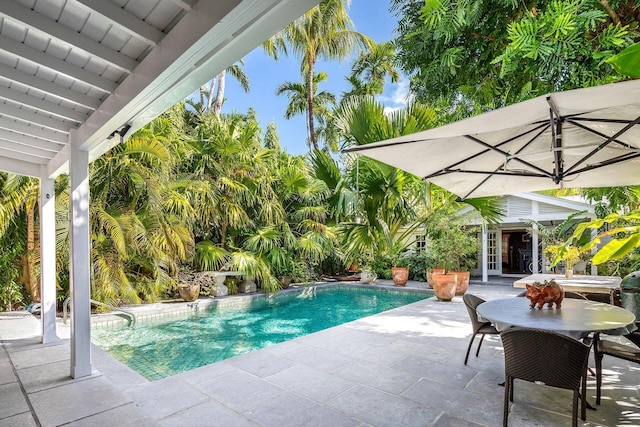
486 54
452 244
418 263
625 233
627 62
12 292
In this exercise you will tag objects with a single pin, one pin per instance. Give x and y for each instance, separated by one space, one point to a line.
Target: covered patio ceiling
105 68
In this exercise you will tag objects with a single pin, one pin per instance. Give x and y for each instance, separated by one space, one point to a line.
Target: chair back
544 356
472 302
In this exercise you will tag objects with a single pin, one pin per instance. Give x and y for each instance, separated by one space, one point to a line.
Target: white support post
47 257
485 253
535 250
594 268
80 286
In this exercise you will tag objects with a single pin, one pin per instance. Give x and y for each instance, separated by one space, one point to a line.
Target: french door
494 252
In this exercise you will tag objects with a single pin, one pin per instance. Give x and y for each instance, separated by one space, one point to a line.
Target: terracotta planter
431 272
462 281
189 292
400 275
444 286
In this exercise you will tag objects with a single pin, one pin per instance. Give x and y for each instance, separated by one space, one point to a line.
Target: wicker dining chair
479 327
545 357
614 349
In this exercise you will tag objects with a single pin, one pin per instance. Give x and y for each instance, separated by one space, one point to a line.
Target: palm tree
297 93
391 205
369 70
141 221
206 103
324 32
19 196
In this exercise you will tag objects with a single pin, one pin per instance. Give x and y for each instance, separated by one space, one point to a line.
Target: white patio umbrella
578 138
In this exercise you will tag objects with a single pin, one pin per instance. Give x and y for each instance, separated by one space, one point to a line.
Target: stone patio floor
403 367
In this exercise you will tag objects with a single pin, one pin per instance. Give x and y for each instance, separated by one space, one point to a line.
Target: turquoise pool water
216 333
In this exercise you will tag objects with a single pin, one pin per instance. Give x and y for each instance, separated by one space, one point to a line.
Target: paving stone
299 412
309 382
165 397
76 400
12 401
128 415
207 413
20 420
382 409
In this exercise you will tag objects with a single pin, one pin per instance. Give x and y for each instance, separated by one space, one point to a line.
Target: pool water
216 333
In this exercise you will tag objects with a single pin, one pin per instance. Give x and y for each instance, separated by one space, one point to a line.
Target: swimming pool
218 332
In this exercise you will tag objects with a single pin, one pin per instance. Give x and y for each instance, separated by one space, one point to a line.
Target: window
421 243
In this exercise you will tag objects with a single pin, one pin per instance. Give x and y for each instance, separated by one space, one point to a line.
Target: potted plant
454 246
564 252
400 271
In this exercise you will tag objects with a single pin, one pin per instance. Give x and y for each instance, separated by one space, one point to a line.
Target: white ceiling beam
42 105
8 110
159 71
35 21
26 150
19 167
43 59
29 140
124 20
21 156
48 87
38 132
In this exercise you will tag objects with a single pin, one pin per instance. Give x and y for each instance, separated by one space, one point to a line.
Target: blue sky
370 17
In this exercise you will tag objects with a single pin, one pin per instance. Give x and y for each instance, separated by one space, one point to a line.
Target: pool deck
403 367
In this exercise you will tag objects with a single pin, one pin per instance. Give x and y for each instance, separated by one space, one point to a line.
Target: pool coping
179 308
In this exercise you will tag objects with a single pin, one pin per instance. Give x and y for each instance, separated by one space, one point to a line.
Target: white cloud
396 95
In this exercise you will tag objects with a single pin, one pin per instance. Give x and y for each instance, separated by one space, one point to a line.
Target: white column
47 258
79 286
485 253
594 268
534 249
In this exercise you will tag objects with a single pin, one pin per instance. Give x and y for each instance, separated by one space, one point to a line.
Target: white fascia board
556 201
19 167
186 58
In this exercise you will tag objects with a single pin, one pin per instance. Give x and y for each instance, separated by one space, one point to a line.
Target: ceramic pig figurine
545 294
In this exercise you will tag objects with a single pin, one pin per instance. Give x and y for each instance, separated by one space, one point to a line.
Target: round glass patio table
577 318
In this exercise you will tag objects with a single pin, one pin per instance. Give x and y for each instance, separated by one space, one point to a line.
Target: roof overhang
103 69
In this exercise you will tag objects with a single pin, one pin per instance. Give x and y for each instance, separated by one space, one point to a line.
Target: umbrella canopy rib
507 155
605 143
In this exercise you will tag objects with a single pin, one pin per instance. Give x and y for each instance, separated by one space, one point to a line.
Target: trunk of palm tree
33 287
223 235
210 96
312 132
219 94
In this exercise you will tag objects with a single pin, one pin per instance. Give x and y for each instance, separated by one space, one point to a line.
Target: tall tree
213 102
323 33
298 94
19 196
371 68
495 53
